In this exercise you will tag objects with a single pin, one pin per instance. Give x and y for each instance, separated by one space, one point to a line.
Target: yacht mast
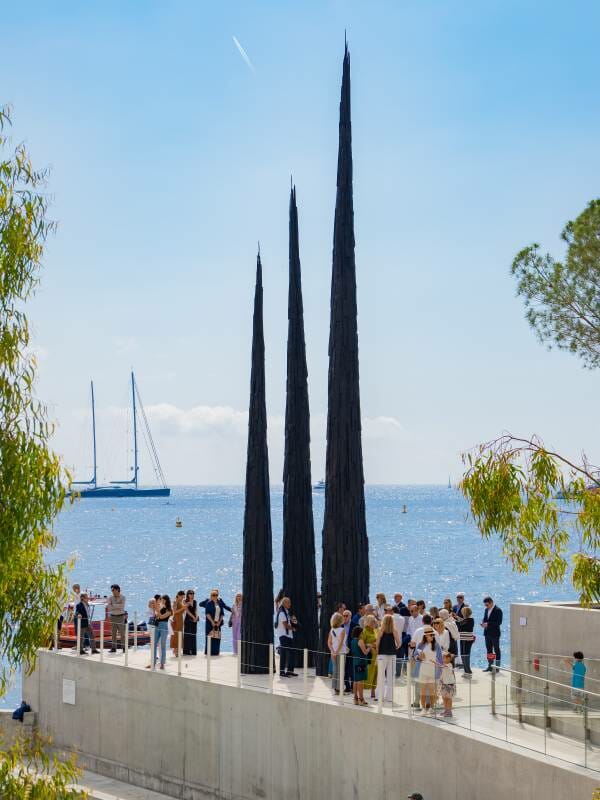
95 476
135 442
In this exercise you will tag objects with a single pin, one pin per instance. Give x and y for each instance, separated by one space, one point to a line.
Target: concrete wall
9 729
196 741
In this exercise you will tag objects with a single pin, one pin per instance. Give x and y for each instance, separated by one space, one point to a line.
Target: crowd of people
382 640
180 617
379 641
169 619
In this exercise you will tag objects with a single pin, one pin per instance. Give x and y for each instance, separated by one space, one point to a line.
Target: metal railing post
208 657
179 650
586 732
470 706
545 734
409 687
341 670
126 643
494 690
305 673
271 666
238 666
101 641
78 634
135 631
153 646
547 722
520 697
56 636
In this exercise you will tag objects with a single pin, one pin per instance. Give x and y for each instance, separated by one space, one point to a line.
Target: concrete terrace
472 703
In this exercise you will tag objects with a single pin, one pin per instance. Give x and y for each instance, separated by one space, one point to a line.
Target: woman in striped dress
467 637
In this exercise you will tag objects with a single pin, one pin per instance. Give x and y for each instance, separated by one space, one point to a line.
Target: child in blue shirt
577 678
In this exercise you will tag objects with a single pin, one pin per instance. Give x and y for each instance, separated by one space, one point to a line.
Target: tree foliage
28 772
538 503
512 484
32 482
562 298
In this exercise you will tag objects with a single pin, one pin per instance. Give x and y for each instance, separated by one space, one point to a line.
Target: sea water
430 552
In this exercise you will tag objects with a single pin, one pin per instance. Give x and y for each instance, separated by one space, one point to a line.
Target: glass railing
555 671
524 708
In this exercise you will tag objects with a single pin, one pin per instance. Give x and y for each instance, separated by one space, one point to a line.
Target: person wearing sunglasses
215 609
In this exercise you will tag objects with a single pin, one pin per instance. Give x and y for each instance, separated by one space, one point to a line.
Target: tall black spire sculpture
257 608
299 571
345 573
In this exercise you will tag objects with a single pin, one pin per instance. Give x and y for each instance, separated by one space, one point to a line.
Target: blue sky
475 132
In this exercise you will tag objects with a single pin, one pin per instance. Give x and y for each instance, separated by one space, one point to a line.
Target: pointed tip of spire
346 53
258 267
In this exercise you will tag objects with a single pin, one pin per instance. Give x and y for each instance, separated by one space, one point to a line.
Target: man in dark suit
460 604
492 620
82 618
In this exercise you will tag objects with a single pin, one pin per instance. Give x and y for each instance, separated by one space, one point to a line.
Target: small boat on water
131 487
319 487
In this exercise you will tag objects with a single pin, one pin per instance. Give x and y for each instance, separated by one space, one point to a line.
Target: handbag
215 634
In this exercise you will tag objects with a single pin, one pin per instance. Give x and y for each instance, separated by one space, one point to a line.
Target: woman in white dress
337 645
429 661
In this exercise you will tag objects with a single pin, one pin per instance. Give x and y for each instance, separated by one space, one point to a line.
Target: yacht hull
122 491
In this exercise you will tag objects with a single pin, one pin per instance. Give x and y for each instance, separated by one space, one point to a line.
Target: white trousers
386 669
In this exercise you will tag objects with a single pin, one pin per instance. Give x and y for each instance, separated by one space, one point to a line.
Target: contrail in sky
243 54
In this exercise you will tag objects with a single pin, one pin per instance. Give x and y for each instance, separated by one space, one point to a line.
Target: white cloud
207 444
381 427
225 420
199 420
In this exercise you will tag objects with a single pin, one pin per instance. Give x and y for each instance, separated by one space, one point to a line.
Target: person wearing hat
415 796
428 658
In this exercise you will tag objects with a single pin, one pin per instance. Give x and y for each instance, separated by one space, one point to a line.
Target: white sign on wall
68 691
522 621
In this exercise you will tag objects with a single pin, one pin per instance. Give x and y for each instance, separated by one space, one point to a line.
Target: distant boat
319 487
128 488
449 482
